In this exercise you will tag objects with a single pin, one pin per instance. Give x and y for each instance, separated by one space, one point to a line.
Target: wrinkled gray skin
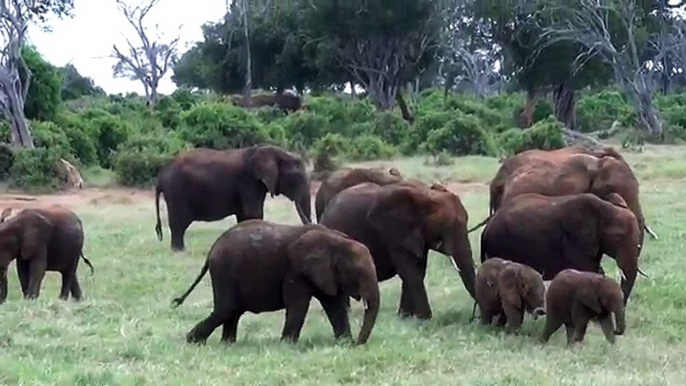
209 185
258 266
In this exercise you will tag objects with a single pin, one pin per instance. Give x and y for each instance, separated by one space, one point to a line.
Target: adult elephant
400 223
551 234
345 178
209 185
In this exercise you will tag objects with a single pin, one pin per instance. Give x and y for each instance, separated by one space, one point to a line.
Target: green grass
125 333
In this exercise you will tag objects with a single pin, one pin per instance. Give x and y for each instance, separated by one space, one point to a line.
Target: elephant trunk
620 320
303 205
628 266
369 292
460 251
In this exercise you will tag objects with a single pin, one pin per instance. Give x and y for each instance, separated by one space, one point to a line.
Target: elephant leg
515 318
230 327
296 310
38 266
501 321
205 328
67 279
335 310
551 326
412 276
608 328
405 308
23 271
487 313
179 221
569 326
75 288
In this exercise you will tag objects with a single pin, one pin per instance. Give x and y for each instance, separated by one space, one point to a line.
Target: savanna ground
125 332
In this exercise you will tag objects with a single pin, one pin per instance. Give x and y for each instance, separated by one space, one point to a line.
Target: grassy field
125 333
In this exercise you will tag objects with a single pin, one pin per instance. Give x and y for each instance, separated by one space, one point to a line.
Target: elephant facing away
258 266
400 223
209 185
46 239
551 234
345 178
574 298
506 290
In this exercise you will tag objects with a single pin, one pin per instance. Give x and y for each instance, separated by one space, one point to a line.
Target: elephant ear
265 166
6 213
310 256
587 295
397 214
34 233
509 287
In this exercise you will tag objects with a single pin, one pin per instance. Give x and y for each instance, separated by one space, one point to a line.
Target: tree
149 61
15 76
590 24
43 98
75 85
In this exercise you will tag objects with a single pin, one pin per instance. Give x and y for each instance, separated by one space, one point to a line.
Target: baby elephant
46 239
258 266
574 298
507 289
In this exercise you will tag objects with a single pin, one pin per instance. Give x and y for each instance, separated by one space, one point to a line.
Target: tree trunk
353 93
404 110
248 56
565 101
526 118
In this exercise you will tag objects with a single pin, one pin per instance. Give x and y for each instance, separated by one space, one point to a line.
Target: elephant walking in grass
209 185
258 266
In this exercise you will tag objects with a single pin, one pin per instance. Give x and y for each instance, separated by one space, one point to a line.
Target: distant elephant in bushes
400 223
574 298
258 266
285 102
569 170
47 239
209 185
506 290
345 178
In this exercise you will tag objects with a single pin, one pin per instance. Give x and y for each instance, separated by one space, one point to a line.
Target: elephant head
522 287
333 262
416 218
604 294
620 237
283 173
22 236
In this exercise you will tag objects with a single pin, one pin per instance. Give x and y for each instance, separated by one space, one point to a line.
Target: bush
51 136
139 160
425 125
7 158
369 147
107 130
35 169
544 135
305 127
222 126
327 151
391 128
461 136
598 111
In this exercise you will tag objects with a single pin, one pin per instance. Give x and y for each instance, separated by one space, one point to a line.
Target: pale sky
86 39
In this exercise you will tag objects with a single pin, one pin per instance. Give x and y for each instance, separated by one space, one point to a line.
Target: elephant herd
553 215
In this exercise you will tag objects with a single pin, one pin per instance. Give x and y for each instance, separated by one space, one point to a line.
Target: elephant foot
177 249
403 314
195 337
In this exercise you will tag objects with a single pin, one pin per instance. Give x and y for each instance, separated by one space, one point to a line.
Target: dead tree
149 61
587 24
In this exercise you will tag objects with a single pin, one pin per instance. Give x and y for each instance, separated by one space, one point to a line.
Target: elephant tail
158 226
178 301
88 263
482 223
473 313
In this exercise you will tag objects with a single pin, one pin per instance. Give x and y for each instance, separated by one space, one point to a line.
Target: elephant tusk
366 304
452 261
622 275
643 274
651 232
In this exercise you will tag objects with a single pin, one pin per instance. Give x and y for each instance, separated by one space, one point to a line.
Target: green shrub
7 158
51 136
168 112
340 113
107 130
267 114
368 147
598 111
83 147
35 169
327 151
544 135
139 160
461 136
222 126
425 125
391 128
305 127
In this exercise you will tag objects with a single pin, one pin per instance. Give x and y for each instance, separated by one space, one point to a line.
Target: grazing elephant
566 171
574 298
209 185
551 234
345 178
400 223
258 266
47 239
506 290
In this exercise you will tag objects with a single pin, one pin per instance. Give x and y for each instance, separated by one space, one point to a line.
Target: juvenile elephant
551 234
574 298
400 223
47 239
345 178
506 290
258 266
209 185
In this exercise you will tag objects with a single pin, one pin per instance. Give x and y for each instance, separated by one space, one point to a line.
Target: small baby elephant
574 298
507 289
